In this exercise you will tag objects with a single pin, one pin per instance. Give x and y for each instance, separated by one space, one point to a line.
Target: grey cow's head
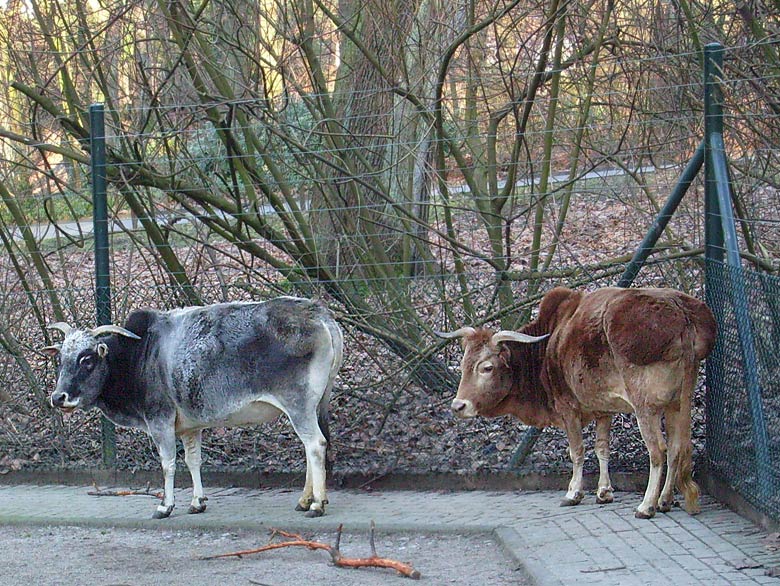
83 365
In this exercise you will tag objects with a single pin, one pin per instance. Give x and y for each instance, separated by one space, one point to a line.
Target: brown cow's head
486 376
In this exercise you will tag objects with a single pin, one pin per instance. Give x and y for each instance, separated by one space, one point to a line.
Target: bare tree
402 159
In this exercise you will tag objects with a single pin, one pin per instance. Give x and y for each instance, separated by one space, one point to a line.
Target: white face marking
67 405
463 409
76 342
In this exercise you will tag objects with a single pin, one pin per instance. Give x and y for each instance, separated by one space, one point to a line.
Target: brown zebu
587 356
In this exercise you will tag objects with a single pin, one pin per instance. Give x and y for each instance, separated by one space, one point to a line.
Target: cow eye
87 361
486 368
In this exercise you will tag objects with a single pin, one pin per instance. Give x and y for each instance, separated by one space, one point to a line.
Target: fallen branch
295 540
105 492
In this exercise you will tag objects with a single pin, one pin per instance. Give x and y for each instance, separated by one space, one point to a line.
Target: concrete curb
521 552
503 481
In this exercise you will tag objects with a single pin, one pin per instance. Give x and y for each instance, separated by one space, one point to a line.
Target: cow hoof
316 510
198 506
604 497
162 512
666 506
570 502
649 514
299 507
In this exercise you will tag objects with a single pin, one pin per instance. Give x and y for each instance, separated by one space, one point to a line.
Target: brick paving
593 544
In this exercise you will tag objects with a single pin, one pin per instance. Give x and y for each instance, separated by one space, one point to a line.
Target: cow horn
112 329
459 333
510 336
61 326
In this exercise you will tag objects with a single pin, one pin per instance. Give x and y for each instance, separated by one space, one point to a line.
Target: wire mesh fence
451 186
742 439
385 418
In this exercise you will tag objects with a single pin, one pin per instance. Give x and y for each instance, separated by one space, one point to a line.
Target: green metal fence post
721 240
525 447
100 227
713 255
661 221
713 125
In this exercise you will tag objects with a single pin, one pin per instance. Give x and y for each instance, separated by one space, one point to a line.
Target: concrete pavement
593 544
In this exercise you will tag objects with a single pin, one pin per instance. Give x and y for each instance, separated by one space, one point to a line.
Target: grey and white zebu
175 373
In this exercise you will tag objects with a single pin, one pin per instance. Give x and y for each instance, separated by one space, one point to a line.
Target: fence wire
246 192
742 451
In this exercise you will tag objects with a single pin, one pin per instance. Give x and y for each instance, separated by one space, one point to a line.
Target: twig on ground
295 540
105 492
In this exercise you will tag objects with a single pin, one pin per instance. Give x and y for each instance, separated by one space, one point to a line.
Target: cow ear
102 350
51 351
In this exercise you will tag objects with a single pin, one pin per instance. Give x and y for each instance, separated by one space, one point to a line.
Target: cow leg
650 428
192 457
574 495
314 496
666 500
304 503
604 492
165 440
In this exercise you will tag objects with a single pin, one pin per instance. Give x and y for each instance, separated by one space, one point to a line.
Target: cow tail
686 484
323 417
684 481
323 412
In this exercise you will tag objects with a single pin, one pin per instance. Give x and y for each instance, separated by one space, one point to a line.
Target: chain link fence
383 420
220 194
743 430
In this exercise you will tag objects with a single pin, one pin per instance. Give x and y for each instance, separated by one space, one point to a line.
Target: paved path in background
84 226
588 544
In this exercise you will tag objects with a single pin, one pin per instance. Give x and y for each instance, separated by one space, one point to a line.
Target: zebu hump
140 320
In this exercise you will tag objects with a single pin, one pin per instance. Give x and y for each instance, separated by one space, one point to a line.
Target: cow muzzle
62 401
463 409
